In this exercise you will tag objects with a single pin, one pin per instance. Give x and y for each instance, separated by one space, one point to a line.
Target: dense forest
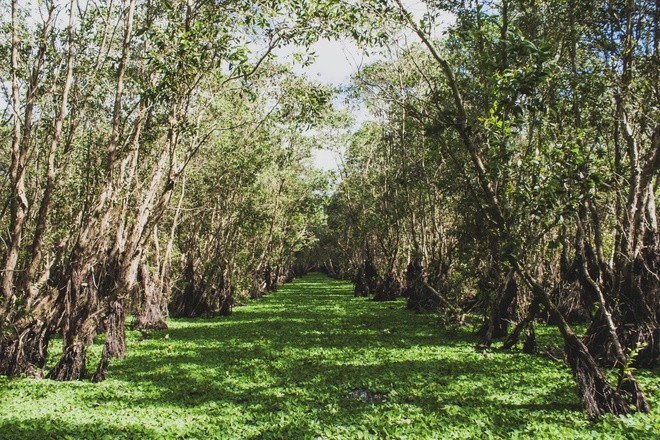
157 163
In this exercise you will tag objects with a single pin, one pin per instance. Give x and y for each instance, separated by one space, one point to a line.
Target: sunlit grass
288 366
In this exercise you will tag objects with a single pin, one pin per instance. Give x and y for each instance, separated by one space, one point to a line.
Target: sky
337 60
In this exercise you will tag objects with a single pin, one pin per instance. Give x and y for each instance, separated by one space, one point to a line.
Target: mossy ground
303 363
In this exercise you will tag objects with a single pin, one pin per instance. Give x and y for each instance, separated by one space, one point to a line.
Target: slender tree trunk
498 320
20 147
24 343
153 315
527 322
35 251
115 338
86 274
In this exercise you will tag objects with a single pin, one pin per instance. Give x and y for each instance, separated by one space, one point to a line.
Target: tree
598 397
126 110
532 177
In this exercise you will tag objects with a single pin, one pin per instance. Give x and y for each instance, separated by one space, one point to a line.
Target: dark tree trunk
72 363
153 315
420 299
530 346
388 290
527 322
574 302
366 280
227 304
80 323
640 294
370 276
270 279
191 301
576 296
330 269
71 366
637 314
115 339
598 397
114 325
89 305
208 294
24 345
360 284
288 275
24 351
258 289
501 312
497 325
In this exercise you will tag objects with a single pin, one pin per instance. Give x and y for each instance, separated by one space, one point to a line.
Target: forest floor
312 361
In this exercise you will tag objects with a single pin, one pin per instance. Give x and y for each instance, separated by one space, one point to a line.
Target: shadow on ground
290 366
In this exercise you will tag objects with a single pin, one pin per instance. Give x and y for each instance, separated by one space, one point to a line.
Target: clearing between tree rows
313 361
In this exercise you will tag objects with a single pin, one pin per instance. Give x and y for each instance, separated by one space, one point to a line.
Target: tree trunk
497 325
420 298
598 397
72 363
360 284
530 346
25 351
366 280
370 277
24 343
153 315
227 303
387 290
115 338
527 322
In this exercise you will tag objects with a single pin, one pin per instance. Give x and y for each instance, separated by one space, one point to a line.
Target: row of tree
512 169
155 164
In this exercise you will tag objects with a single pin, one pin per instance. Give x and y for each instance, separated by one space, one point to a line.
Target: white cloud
326 160
333 63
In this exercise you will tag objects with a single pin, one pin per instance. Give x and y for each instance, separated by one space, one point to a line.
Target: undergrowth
312 361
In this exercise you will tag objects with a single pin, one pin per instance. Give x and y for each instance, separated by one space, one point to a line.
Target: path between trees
311 361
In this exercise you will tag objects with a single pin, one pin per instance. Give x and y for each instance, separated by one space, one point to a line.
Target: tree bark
497 324
153 315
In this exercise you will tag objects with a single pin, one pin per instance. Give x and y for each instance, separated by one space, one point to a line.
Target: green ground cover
312 361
